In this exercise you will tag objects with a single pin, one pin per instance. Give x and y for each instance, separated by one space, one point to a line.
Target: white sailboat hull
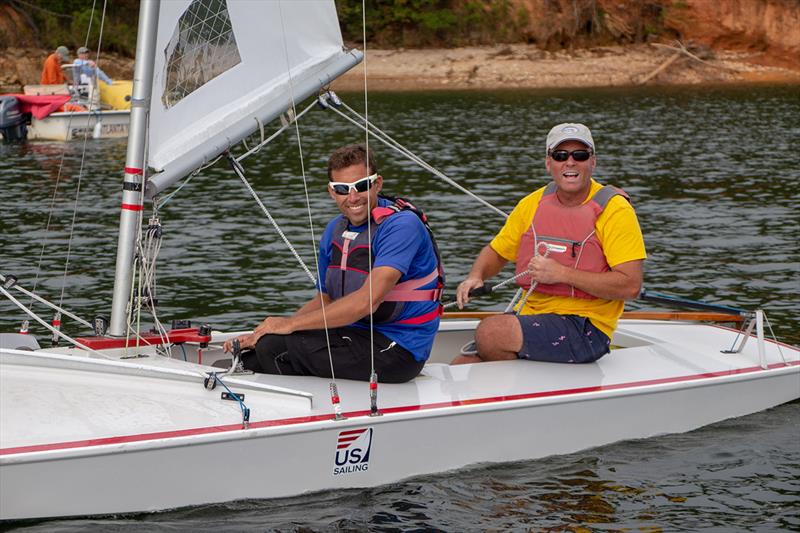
172 443
70 126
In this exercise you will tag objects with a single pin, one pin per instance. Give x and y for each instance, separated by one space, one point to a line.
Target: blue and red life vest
568 232
350 261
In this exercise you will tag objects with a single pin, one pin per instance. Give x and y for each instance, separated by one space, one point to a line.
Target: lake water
714 174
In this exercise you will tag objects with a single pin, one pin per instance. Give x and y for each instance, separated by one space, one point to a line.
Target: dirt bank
525 66
498 67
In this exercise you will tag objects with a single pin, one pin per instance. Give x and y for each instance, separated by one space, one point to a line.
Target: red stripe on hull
351 432
401 409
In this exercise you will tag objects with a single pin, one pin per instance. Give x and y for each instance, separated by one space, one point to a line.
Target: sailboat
121 421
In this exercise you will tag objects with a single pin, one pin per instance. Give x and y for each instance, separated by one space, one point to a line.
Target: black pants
305 353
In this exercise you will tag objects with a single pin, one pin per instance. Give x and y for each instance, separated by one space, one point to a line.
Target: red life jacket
349 266
569 234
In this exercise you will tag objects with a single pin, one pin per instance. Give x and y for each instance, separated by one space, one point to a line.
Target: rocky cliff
771 27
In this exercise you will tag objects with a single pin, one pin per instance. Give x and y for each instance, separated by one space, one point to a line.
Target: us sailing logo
352 451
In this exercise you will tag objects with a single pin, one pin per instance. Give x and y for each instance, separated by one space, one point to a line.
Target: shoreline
501 67
521 66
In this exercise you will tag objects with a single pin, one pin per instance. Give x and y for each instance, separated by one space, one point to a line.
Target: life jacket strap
409 291
421 319
419 295
345 253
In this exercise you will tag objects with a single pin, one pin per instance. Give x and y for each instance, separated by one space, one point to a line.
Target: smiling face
573 178
355 206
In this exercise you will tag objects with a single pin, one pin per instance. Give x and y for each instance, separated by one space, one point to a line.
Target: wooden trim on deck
695 316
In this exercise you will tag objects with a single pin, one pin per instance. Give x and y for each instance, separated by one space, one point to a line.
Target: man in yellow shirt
579 253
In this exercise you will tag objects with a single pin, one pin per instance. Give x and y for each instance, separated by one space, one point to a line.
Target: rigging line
493 288
92 90
138 298
58 177
95 86
37 318
237 168
242 406
280 130
533 284
394 144
69 339
49 304
47 225
777 344
136 266
305 189
149 257
50 213
369 171
91 20
74 218
169 197
513 300
129 321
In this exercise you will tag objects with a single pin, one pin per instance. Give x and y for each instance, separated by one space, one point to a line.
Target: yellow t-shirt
617 229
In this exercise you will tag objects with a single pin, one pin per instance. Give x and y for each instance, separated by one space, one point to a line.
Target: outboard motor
13 122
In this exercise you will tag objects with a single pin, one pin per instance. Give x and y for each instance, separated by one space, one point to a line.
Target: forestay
222 67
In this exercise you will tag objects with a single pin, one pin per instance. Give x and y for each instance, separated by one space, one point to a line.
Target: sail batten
223 66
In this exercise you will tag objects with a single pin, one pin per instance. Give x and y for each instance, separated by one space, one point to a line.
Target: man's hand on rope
246 342
545 270
462 293
272 324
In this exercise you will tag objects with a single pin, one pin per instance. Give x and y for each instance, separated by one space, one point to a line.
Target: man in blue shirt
85 70
377 258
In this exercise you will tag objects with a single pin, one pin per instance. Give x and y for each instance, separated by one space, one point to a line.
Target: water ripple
713 174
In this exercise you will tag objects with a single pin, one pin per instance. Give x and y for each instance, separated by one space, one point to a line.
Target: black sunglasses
577 155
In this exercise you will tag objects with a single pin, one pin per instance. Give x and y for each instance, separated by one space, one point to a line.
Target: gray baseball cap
83 50
63 51
569 132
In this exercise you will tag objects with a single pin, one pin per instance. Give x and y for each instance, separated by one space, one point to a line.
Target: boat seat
222 363
18 341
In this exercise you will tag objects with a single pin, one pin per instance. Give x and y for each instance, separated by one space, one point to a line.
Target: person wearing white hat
579 255
51 72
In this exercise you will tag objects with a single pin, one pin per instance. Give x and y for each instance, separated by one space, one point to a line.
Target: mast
133 184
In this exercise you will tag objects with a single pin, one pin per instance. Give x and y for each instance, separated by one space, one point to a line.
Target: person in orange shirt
52 73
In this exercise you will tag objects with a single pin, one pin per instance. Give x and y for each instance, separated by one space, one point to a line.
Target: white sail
222 66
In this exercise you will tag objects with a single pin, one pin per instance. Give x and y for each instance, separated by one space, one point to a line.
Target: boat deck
100 403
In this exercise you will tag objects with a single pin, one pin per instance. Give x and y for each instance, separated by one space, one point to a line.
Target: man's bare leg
498 338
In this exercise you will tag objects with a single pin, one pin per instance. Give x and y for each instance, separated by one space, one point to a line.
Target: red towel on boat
40 106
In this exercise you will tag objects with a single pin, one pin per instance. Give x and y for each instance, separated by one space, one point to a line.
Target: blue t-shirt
402 242
83 67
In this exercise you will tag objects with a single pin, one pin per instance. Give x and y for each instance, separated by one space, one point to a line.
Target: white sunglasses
361 185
